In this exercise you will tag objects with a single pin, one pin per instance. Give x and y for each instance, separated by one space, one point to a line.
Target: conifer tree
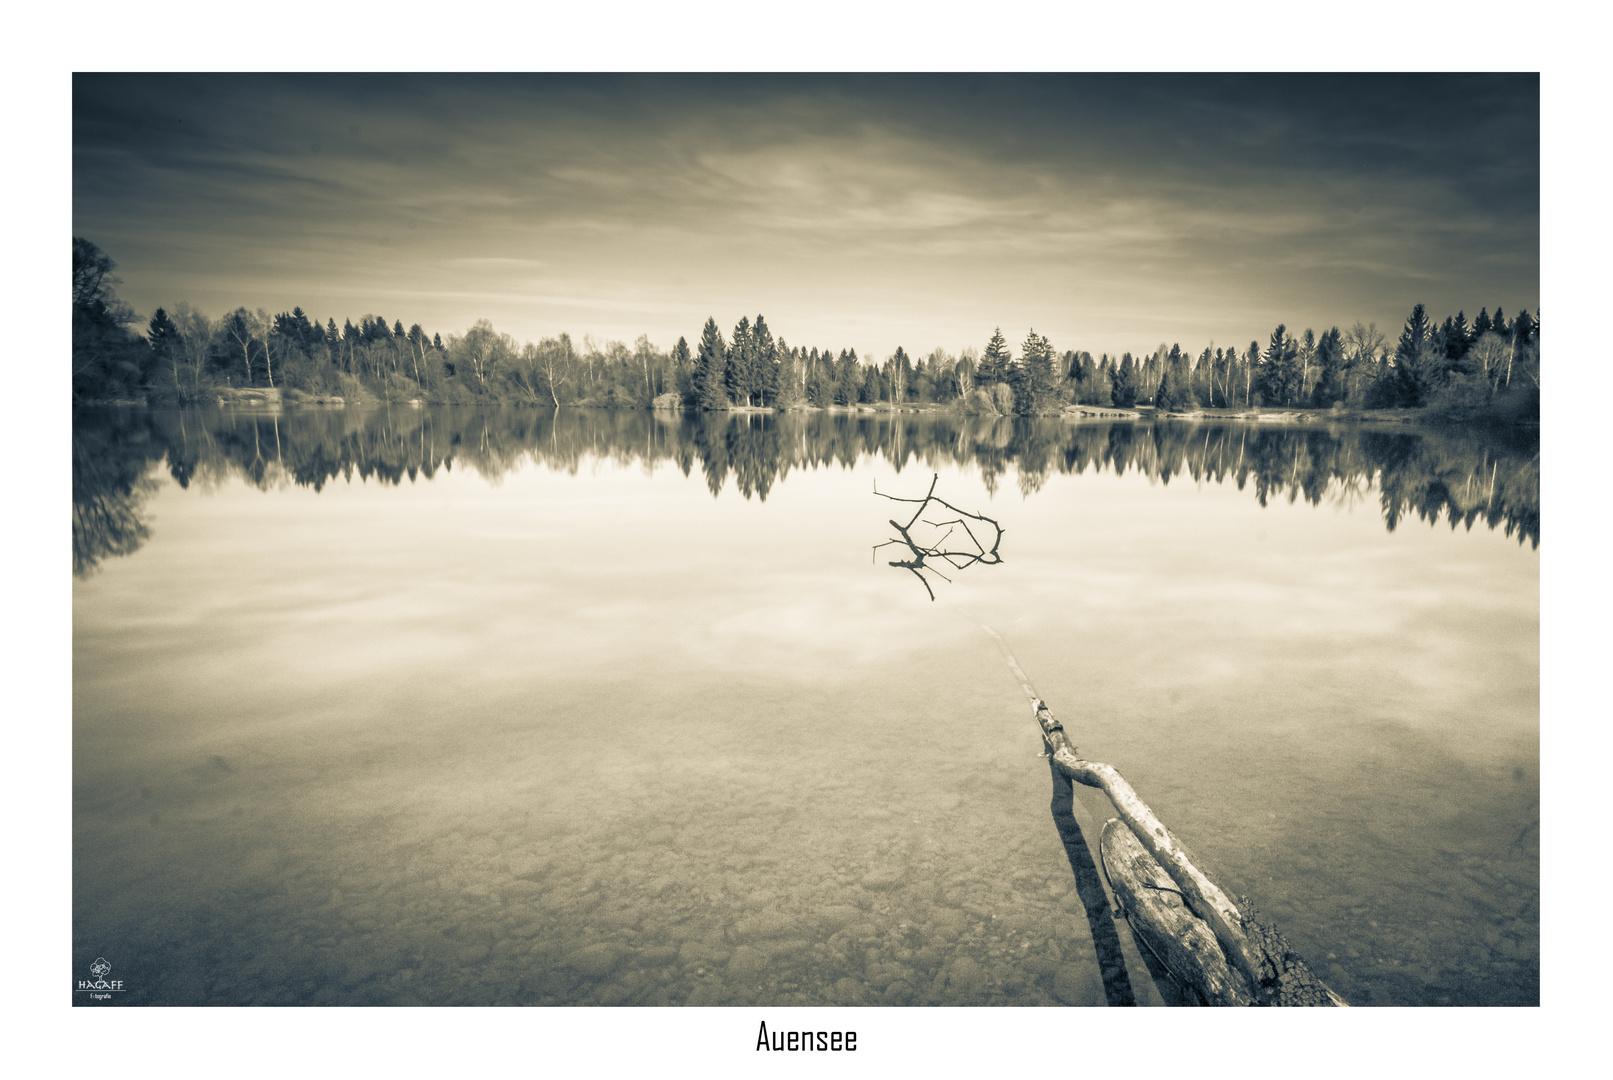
1271 365
710 369
737 365
161 333
1460 338
1125 392
1031 375
868 391
683 370
994 361
163 337
791 376
764 363
1175 391
1523 327
305 333
1413 336
1330 363
1416 369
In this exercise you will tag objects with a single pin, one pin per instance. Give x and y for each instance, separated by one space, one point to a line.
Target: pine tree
789 389
1460 338
1251 372
994 361
306 334
869 391
764 363
1523 327
1168 394
683 370
1125 392
1032 375
1414 374
1330 360
1413 336
162 334
163 337
710 367
1273 367
1482 324
1175 391
737 363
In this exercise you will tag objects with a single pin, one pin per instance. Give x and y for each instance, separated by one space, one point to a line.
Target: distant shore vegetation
1486 370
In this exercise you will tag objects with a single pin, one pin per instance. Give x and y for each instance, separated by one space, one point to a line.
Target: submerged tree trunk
1272 978
1162 921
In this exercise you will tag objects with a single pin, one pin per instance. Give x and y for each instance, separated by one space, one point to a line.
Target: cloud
897 207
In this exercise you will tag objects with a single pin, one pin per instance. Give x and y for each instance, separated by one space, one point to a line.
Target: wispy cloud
885 209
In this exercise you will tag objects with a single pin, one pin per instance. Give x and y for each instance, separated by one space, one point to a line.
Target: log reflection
1089 887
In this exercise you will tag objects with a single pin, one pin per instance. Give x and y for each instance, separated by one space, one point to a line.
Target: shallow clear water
460 707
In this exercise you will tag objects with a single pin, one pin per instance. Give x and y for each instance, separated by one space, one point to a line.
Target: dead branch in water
923 554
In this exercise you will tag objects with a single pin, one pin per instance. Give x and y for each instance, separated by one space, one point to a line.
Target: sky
1109 213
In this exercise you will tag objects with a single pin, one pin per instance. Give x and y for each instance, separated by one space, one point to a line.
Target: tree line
1489 367
1463 477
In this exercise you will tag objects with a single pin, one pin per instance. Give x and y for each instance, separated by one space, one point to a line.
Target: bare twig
922 553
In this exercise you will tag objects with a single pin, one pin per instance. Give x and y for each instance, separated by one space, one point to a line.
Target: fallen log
1273 973
1162 921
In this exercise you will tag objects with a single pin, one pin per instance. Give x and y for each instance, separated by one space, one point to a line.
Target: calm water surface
448 706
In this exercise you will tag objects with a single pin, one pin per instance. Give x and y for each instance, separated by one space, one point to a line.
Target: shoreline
266 400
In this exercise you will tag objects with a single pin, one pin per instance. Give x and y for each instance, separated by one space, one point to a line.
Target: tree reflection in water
1465 477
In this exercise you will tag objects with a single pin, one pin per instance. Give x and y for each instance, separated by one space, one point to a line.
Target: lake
420 705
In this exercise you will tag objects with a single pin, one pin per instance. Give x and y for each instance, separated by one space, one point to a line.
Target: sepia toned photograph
776 540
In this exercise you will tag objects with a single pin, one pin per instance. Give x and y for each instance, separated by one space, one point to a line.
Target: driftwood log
1163 922
1274 974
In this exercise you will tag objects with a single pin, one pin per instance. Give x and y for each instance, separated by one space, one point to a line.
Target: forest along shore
1486 371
